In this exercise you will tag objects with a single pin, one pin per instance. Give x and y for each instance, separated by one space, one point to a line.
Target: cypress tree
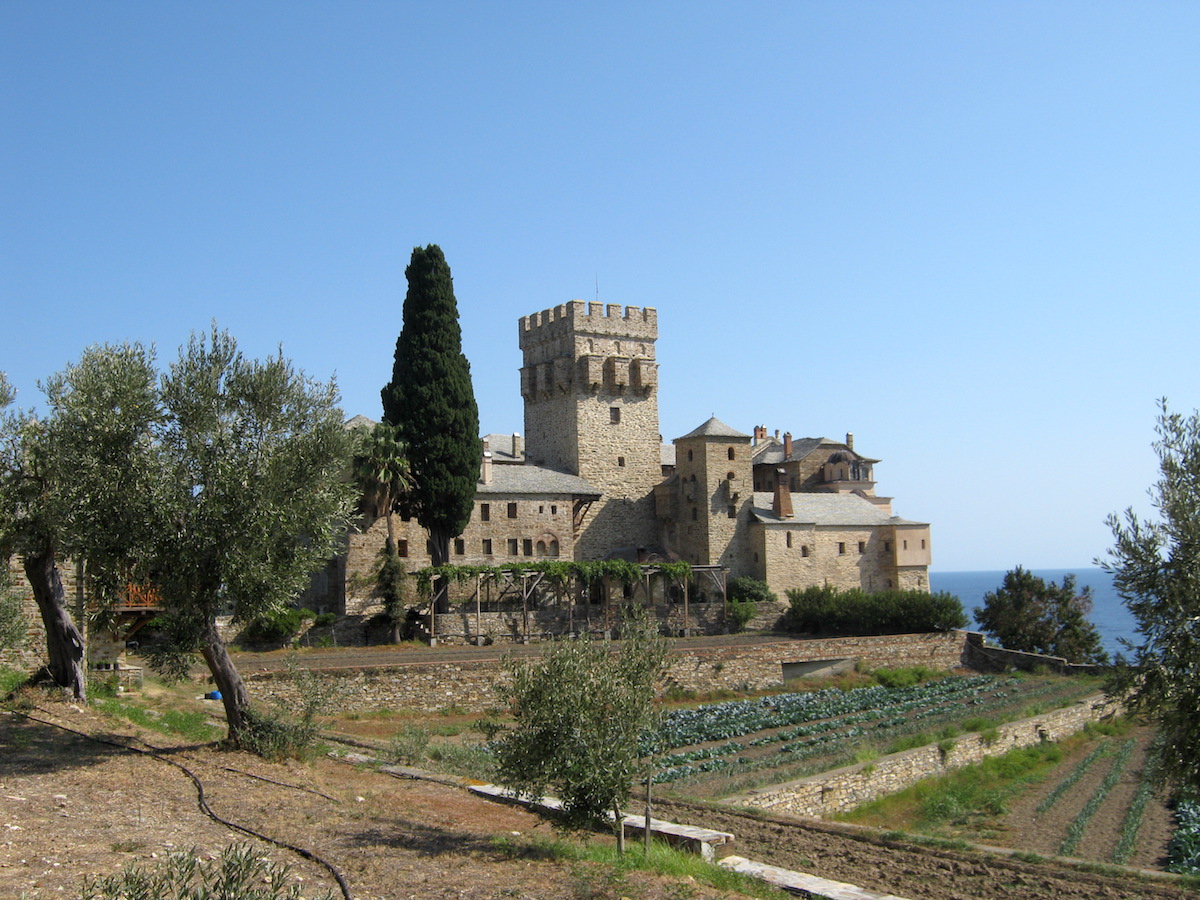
431 402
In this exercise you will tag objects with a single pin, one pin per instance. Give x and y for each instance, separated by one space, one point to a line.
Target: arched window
554 548
689 456
789 539
541 548
731 454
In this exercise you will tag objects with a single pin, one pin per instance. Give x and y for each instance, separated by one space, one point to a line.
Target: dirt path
71 807
919 873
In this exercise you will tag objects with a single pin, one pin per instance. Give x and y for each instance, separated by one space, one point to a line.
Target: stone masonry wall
844 789
469 684
833 557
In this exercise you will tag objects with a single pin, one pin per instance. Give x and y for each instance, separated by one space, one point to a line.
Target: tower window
689 456
694 514
485 512
487 546
402 547
512 546
804 551
841 548
614 414
789 539
553 510
460 547
527 546
621 461
731 512
512 510
862 546
731 453
729 476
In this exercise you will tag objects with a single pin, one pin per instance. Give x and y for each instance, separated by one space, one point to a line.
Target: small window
695 515
905 547
689 456
512 546
731 453
841 548
804 550
862 546
614 415
554 548
922 543
756 557
487 546
460 547
887 546
512 510
789 539
731 512
541 509
402 547
541 548
553 510
729 476
527 546
621 461
485 512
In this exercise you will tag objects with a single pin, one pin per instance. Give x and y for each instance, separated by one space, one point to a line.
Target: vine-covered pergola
570 585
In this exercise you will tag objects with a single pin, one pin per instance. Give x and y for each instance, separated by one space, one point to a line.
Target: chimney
518 446
850 439
787 445
760 434
776 434
485 470
782 504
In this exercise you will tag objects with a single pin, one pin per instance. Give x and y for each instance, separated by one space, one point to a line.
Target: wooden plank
800 883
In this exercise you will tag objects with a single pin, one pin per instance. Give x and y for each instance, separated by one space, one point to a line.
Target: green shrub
277 627
239 872
821 609
325 619
410 745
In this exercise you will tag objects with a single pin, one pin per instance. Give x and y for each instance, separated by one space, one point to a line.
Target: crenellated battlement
579 317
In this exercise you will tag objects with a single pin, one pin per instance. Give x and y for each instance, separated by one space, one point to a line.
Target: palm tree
382 472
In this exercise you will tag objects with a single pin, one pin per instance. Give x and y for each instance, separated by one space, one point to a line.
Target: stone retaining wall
844 789
470 684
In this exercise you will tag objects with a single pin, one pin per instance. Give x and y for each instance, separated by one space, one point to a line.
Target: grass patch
11 679
190 724
962 797
663 860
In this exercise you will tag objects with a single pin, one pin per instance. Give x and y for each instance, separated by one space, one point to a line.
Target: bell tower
590 385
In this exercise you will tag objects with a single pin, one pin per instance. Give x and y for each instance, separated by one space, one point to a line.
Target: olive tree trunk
64 642
227 679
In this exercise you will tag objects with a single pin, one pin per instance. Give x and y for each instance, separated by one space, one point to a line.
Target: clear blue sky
967 232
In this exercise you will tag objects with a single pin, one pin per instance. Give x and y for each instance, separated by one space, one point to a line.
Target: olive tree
79 484
1155 564
253 496
580 714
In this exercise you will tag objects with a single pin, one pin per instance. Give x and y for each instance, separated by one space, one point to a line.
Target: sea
1109 614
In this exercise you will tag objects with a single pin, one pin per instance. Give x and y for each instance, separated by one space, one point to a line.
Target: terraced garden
721 749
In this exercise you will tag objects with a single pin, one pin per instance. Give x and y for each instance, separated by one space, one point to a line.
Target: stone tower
590 385
713 463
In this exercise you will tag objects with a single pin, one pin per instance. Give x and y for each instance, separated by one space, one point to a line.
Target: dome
842 456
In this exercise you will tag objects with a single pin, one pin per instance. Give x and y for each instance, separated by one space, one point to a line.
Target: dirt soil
70 807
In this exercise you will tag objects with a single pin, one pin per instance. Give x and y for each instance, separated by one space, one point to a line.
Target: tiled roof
535 480
827 509
714 427
501 446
